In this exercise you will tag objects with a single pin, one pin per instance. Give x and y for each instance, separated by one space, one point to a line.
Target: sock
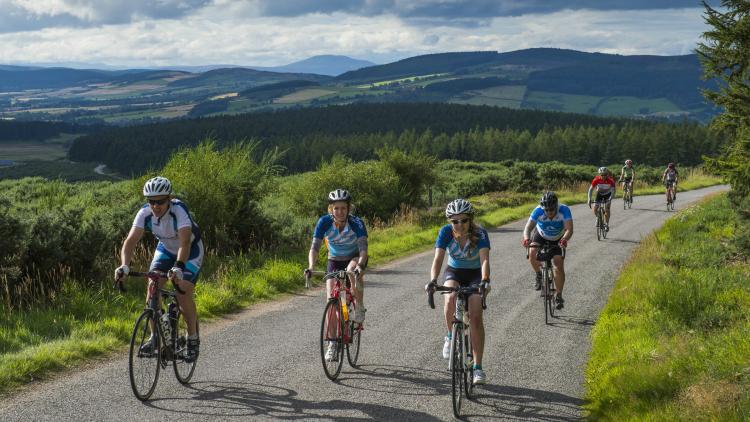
193 337
450 335
477 366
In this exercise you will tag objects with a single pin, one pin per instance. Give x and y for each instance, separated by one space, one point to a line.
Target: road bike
601 228
670 196
544 255
169 344
337 327
461 361
627 196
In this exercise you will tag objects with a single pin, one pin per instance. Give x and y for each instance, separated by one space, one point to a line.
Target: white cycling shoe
479 377
447 348
331 351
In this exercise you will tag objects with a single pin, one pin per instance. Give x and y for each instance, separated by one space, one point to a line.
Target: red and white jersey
603 184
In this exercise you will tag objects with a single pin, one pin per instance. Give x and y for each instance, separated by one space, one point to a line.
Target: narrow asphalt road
264 363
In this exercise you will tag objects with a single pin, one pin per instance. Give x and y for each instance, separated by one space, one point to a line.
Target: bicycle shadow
238 399
570 322
509 403
407 380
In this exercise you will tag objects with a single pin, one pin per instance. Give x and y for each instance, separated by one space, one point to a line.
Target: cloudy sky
275 32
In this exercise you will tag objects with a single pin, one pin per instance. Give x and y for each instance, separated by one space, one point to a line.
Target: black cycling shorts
604 197
465 276
539 241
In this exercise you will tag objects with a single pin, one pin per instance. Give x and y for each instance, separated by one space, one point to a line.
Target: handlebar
337 274
432 288
154 275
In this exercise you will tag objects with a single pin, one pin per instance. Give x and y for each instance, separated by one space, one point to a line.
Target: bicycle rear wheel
458 379
355 335
469 365
550 296
144 367
598 226
332 332
182 370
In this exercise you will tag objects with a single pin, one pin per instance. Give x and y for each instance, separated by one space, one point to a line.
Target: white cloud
226 35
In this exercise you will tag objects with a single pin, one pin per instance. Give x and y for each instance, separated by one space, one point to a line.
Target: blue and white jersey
458 257
344 242
551 228
165 228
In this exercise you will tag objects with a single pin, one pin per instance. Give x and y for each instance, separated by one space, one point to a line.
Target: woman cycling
345 236
669 178
627 177
468 247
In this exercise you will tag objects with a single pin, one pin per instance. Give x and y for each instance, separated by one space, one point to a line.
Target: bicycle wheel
182 370
458 373
144 367
332 330
550 298
355 335
469 366
598 226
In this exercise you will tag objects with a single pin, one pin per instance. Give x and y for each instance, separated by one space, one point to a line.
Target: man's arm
437 263
128 246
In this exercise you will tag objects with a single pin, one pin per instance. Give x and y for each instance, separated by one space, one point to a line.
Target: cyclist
627 177
179 251
605 190
345 236
549 224
669 178
468 247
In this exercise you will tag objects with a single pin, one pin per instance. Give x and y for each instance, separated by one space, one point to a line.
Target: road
264 363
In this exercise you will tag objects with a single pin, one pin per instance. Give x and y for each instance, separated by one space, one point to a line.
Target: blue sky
274 32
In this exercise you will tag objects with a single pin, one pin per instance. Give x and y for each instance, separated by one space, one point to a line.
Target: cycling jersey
165 230
603 184
458 257
551 228
627 172
670 174
343 243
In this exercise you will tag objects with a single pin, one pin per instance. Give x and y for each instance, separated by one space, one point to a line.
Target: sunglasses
461 221
158 201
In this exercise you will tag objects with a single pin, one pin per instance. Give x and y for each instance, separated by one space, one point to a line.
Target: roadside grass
86 323
673 342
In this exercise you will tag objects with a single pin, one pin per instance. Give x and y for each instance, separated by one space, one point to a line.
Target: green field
561 102
604 106
28 150
501 96
304 95
628 106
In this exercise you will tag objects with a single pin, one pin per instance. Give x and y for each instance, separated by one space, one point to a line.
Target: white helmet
603 171
458 206
339 195
157 186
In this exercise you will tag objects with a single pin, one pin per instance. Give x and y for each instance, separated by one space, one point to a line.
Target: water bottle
173 316
344 308
166 328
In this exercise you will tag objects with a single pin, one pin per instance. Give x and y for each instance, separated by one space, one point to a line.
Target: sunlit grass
673 342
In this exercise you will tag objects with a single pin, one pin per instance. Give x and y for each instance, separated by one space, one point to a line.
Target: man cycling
549 224
627 177
468 247
605 190
669 178
346 238
179 251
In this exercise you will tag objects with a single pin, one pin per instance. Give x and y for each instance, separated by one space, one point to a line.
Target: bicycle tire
355 335
550 298
332 331
183 371
458 374
469 365
143 369
598 226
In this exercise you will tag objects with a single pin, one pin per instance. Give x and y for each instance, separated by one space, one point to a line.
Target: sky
150 33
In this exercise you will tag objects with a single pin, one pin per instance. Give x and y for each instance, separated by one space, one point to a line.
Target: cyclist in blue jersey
468 247
345 236
179 251
550 223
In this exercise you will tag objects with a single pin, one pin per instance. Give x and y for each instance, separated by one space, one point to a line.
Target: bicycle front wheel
182 370
144 364
458 372
469 365
355 335
598 227
332 336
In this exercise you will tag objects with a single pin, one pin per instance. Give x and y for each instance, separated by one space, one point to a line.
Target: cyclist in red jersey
605 187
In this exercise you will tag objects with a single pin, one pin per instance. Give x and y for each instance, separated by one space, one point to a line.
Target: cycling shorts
604 197
627 180
670 183
339 265
465 276
164 261
538 241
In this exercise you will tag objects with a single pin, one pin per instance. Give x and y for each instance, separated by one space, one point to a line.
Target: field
603 106
623 106
501 96
561 102
28 150
303 95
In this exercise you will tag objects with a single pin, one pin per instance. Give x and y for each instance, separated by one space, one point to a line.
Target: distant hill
658 87
330 65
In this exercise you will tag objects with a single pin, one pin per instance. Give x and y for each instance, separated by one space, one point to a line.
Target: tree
725 56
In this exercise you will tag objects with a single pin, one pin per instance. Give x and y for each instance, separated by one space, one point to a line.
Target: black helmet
339 195
548 201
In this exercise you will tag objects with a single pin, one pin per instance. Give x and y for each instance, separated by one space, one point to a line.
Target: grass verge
673 342
85 323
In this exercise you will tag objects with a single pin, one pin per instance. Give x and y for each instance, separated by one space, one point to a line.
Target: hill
331 65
